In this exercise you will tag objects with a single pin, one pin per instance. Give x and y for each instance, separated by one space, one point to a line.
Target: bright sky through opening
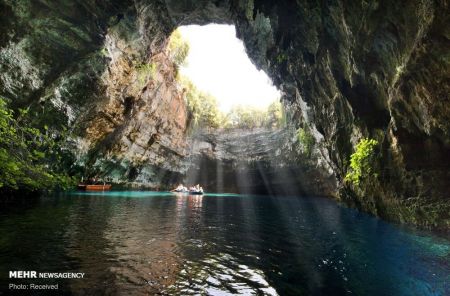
217 63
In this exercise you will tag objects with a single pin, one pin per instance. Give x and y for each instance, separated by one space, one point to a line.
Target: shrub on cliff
28 156
178 48
306 140
145 72
362 161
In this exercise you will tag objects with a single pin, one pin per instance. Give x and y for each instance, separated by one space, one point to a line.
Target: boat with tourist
93 184
180 189
193 190
196 190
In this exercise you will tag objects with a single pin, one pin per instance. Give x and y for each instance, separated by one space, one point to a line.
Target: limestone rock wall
349 69
101 71
262 161
358 69
137 132
376 69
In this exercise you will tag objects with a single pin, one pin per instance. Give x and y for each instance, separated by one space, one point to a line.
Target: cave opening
217 63
237 121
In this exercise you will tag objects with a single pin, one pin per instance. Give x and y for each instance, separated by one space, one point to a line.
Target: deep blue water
132 243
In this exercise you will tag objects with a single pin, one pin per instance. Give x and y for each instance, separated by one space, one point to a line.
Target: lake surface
141 243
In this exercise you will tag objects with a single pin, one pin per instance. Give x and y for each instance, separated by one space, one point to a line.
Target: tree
210 114
202 106
29 157
248 117
178 48
275 115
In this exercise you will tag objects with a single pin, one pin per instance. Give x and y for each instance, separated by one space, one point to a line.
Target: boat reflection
192 200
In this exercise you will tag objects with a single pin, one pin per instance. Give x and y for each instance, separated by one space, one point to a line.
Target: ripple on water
221 274
141 243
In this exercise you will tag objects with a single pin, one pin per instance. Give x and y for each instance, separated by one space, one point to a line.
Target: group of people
196 188
182 188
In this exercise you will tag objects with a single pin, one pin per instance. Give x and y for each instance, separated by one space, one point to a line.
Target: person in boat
93 180
179 188
197 188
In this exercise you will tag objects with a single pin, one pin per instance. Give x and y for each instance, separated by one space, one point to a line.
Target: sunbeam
243 147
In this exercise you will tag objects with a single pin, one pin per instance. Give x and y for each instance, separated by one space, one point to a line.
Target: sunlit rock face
137 132
348 70
101 70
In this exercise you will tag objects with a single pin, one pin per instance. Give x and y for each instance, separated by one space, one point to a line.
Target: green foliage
306 139
204 111
245 117
281 58
275 115
208 111
145 72
178 48
362 161
249 6
202 106
248 117
104 52
29 157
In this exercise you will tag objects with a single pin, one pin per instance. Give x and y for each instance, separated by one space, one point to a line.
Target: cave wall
136 133
101 70
356 69
348 70
257 161
377 70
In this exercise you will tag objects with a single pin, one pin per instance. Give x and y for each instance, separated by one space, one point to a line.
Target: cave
347 71
239 149
90 96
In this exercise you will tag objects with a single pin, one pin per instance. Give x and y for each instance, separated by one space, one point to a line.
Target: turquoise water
140 242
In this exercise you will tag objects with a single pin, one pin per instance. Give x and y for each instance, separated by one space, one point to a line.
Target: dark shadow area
258 177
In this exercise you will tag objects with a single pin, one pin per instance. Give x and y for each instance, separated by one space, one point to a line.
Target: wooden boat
97 187
195 192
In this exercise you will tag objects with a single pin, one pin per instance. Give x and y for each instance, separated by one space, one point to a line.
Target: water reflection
144 243
221 274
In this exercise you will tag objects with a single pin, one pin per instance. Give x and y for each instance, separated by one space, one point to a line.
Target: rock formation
260 161
348 70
